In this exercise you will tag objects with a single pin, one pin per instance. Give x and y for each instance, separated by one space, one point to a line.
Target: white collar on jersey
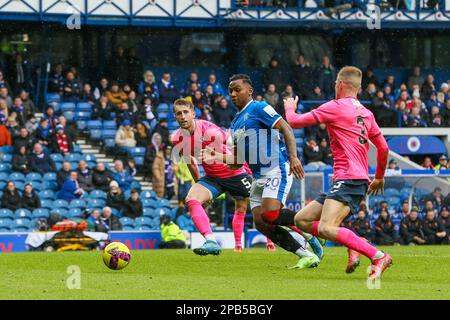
246 106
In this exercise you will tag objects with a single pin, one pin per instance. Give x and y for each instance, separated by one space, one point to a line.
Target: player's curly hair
240 76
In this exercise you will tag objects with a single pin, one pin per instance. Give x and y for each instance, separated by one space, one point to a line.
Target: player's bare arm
377 185
294 161
296 120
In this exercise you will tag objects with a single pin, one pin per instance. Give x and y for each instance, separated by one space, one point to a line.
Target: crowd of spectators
426 222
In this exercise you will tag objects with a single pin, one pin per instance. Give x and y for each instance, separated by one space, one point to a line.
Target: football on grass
116 256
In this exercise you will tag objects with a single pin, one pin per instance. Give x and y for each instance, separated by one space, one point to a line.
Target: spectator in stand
125 135
85 176
142 135
385 234
429 206
162 129
24 139
399 90
436 120
199 102
415 119
146 113
68 128
3 112
158 169
19 109
433 102
288 92
168 93
102 88
361 226
446 112
301 77
369 77
61 142
115 197
5 136
384 115
116 96
223 114
56 80
312 153
210 97
274 74
217 87
427 164
170 169
4 95
30 199
13 126
389 95
437 198
326 76
51 116
171 235
193 78
95 223
3 82
260 98
102 109
433 230
72 88
11 198
428 87
320 132
411 229
403 97
28 105
415 79
185 180
150 153
133 104
32 124
133 206
87 95
326 151
111 221
393 165
122 176
271 96
70 189
316 94
207 114
118 66
445 90
444 220
20 161
63 173
40 161
390 81
192 89
19 73
369 93
125 114
443 163
149 81
101 177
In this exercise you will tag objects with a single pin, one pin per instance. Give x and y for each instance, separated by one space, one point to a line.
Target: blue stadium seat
136 152
57 157
149 203
47 194
148 194
91 165
150 212
394 202
37 185
125 221
143 227
94 124
185 223
40 213
7 149
77 203
108 134
96 203
97 194
67 106
33 176
109 143
60 203
84 107
77 149
391 192
299 132
311 168
173 125
19 185
136 185
162 107
323 168
69 115
128 228
50 176
16 176
82 115
116 212
47 203
72 157
81 124
5 167
74 213
4 176
139 161
109 125
299 141
163 210
173 214
163 203
89 158
49 185
95 134
52 97
6 214
61 211
21 225
7 158
5 225
143 221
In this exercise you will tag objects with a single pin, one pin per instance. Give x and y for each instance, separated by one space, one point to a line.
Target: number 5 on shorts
336 187
246 183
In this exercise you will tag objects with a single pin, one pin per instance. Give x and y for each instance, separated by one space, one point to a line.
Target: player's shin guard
199 217
238 226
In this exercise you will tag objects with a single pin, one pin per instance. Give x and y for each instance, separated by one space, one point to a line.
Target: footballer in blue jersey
256 134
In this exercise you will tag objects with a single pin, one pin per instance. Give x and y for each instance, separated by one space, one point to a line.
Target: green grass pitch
417 273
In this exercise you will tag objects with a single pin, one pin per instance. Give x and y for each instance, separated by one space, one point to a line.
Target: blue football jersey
256 140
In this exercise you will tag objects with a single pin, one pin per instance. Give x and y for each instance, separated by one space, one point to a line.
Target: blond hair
351 76
183 102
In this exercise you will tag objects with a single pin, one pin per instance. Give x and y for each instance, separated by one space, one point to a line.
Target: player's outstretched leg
239 223
194 200
333 214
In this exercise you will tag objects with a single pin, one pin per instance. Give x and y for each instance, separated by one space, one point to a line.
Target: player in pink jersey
350 127
193 136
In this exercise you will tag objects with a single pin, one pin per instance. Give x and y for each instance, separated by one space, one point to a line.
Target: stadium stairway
109 161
